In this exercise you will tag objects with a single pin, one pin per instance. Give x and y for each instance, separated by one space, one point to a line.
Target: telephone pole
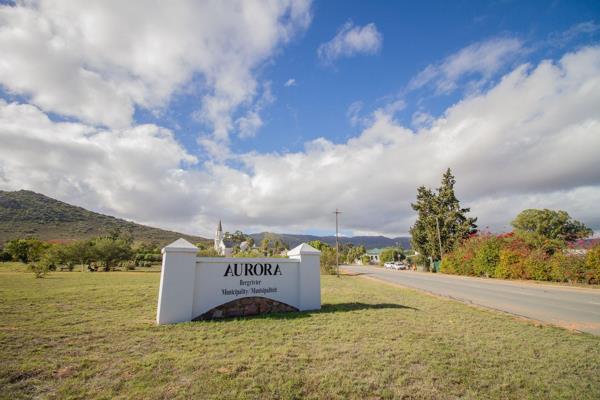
437 223
337 244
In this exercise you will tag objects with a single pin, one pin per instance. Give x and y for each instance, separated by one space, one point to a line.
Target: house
373 255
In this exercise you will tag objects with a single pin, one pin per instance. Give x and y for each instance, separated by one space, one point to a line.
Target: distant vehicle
389 265
400 266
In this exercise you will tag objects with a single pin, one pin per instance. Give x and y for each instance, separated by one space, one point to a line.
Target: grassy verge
92 335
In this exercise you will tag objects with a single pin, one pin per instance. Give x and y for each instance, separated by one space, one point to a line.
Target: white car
399 266
389 265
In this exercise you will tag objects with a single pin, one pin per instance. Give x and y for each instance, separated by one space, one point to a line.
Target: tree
111 251
550 224
5 256
388 255
272 244
441 222
56 255
327 256
80 252
355 253
236 238
17 249
317 244
25 250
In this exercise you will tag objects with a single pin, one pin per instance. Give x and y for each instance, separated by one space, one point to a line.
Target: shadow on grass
325 309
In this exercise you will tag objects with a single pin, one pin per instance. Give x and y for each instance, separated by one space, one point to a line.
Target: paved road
573 308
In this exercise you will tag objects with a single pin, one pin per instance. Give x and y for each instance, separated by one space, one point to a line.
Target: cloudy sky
270 114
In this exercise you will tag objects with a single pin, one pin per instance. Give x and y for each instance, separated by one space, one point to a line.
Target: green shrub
450 264
465 254
328 260
537 266
210 252
592 263
5 256
567 267
511 265
487 256
39 269
476 256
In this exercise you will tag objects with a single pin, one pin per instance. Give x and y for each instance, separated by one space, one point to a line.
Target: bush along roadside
518 256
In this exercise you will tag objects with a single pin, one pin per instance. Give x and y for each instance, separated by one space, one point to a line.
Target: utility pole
337 244
437 224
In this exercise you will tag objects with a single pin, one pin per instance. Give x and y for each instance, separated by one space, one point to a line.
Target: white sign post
214 287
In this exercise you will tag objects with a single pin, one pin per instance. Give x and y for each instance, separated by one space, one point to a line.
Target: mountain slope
370 242
28 214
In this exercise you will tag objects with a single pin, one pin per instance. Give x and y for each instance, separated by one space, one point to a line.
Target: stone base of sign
244 307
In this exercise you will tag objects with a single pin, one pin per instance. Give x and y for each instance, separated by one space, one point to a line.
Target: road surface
569 307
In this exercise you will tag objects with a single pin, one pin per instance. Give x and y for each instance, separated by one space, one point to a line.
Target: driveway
569 307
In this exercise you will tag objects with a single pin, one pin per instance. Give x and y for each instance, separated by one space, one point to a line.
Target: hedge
514 257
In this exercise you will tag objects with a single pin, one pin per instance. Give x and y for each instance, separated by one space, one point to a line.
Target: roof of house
374 252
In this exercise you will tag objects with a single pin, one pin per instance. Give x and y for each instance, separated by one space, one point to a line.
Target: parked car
400 266
389 265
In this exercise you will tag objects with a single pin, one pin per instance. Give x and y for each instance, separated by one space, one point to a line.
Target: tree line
543 244
103 253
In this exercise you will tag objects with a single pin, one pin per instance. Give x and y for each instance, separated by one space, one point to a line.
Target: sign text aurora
257 269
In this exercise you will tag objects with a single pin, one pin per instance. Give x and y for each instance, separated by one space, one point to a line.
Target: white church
225 248
220 245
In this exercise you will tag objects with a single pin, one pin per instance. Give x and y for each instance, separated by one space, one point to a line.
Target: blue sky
270 114
415 34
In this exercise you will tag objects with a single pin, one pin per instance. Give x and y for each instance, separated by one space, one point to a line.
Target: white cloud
354 113
290 82
561 39
137 172
421 119
479 61
350 41
251 122
96 61
532 140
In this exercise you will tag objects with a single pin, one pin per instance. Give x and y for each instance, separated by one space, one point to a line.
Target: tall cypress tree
441 211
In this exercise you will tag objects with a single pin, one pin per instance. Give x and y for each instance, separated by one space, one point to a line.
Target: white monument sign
213 287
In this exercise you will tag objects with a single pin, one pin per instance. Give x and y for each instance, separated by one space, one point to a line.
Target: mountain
370 242
29 214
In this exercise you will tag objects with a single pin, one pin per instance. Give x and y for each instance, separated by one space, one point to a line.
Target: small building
373 255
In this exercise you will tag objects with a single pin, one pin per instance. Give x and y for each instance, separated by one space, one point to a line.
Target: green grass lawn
92 335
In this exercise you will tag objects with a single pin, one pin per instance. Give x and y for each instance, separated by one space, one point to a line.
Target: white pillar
177 279
309 276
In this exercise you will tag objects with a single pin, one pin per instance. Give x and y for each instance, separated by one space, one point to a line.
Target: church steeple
219 245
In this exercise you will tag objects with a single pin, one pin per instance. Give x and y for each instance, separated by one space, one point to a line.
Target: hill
370 242
28 214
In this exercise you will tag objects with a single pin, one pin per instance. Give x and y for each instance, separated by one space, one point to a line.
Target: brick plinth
246 306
